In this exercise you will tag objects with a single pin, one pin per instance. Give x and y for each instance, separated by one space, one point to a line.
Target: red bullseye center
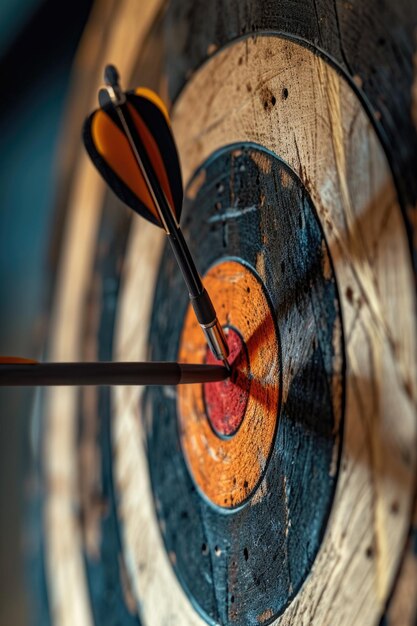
226 400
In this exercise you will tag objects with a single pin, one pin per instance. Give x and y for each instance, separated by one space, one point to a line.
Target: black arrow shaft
182 253
199 298
154 373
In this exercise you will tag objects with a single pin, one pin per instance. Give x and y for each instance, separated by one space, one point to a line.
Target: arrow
130 141
15 372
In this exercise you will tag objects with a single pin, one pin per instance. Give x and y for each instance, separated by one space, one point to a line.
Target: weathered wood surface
69 596
308 115
285 98
242 518
373 42
243 306
402 602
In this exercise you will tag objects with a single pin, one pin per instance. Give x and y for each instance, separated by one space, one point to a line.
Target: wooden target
285 494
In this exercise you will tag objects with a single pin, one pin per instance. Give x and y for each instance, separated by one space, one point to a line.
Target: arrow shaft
199 298
181 251
153 373
146 170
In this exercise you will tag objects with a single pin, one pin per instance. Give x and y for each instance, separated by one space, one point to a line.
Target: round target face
276 197
234 500
283 494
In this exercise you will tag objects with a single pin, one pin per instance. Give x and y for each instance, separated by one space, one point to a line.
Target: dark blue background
38 40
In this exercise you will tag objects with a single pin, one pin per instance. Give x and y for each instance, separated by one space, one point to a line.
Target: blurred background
38 43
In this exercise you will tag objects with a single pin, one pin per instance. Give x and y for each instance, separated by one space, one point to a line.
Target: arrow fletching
130 142
14 360
109 149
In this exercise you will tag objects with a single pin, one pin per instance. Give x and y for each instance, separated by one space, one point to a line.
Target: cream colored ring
323 133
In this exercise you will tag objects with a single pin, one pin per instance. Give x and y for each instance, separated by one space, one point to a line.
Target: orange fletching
113 146
153 153
110 150
17 359
153 97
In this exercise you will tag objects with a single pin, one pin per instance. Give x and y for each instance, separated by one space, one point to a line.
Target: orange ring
226 471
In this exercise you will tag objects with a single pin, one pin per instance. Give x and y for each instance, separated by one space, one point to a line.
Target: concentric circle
110 549
232 509
227 470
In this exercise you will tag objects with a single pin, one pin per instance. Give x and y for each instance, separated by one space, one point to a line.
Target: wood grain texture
402 603
242 518
67 584
315 123
279 95
109 591
373 42
228 470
